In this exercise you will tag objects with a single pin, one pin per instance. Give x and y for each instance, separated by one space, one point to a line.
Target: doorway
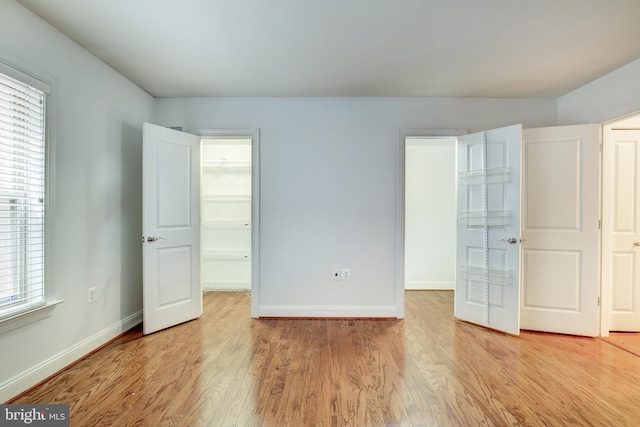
430 213
171 224
403 135
245 202
225 183
575 154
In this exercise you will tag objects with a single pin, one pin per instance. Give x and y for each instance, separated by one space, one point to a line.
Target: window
23 186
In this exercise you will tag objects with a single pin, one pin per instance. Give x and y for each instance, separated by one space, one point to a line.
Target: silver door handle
511 241
153 239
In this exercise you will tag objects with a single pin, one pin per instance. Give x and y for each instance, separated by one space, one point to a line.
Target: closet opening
226 212
430 213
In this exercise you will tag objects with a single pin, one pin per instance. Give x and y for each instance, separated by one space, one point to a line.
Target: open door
560 222
556 289
488 233
621 224
171 228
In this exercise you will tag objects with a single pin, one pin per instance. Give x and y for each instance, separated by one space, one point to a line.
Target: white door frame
403 134
254 135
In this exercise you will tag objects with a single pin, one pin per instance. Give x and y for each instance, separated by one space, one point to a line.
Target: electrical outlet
336 274
91 297
345 274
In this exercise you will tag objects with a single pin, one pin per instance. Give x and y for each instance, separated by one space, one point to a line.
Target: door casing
254 135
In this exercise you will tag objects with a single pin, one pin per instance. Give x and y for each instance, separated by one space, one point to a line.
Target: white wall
97 216
430 213
328 186
614 95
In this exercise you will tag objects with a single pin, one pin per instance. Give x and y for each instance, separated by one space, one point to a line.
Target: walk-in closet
226 213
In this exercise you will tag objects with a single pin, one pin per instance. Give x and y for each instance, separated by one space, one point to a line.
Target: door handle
636 243
511 241
153 239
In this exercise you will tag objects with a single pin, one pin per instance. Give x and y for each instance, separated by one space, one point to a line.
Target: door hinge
598 301
599 224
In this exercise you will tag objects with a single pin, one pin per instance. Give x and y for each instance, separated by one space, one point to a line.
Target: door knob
511 241
636 243
153 239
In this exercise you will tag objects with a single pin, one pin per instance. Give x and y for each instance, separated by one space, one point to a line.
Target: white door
171 227
560 230
621 217
488 233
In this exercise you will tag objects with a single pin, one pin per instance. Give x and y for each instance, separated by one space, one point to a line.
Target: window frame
20 70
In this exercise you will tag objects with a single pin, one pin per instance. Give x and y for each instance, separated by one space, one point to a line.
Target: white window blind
22 197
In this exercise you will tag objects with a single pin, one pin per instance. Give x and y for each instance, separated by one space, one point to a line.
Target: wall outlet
91 295
345 274
336 274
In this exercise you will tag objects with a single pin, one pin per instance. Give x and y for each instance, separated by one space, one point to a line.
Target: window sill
25 318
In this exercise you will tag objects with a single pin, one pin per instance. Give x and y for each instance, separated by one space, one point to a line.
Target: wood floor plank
429 369
628 341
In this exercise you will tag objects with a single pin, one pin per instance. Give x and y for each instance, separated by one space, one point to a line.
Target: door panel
173 189
623 228
560 230
171 227
173 273
487 284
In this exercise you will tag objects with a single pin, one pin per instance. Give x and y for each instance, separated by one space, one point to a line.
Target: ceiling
452 48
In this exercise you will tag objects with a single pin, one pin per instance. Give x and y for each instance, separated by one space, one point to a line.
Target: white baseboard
429 285
27 379
225 287
319 312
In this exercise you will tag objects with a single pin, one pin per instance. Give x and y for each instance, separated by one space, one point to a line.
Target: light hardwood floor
226 369
628 341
